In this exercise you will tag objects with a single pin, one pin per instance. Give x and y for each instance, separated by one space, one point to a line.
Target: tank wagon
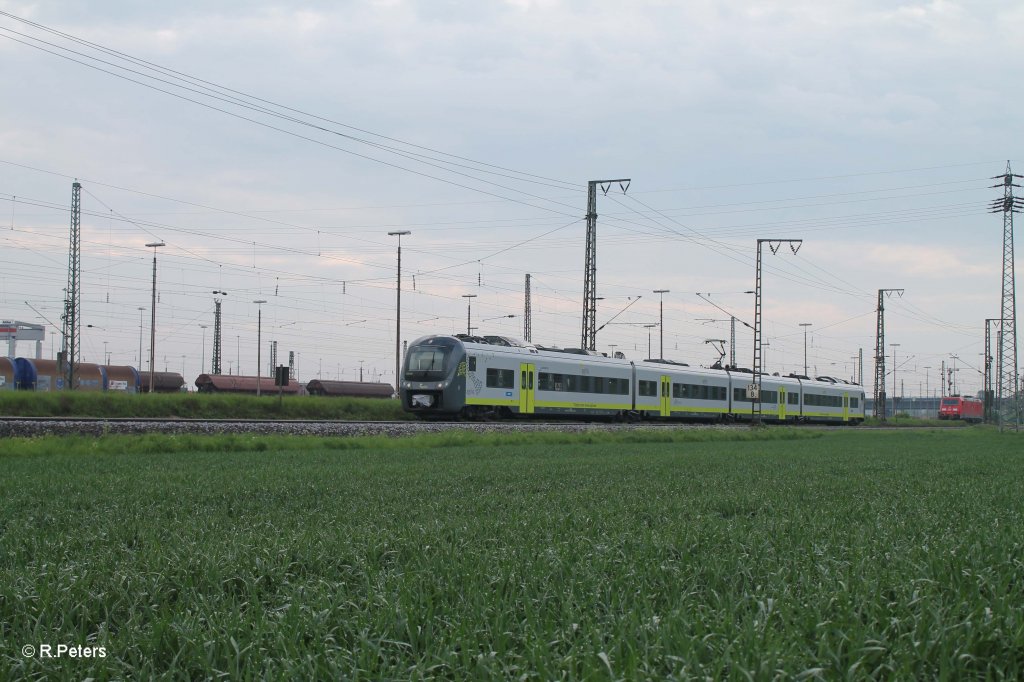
46 375
9 375
122 378
163 382
233 383
470 377
353 389
29 374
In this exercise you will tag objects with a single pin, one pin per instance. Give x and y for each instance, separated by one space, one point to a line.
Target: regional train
477 377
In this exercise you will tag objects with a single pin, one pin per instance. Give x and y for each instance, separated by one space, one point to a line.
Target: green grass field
194 405
846 555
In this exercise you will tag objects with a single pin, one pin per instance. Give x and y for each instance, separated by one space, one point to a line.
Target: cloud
926 260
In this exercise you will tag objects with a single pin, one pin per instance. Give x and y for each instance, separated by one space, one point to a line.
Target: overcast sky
307 131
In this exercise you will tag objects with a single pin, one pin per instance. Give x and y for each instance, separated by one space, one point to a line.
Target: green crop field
743 555
194 406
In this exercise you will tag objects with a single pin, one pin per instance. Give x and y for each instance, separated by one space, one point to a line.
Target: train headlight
440 385
422 400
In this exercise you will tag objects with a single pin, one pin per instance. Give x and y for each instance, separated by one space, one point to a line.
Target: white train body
455 376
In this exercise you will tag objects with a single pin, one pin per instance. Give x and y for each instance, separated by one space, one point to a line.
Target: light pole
398 306
661 321
469 306
649 327
202 362
142 324
927 390
259 343
805 325
152 319
894 394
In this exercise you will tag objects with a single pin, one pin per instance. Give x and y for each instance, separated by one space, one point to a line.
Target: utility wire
220 91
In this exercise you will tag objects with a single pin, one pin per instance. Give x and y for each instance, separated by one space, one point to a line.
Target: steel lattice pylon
1007 399
880 396
732 341
72 323
755 395
527 313
215 365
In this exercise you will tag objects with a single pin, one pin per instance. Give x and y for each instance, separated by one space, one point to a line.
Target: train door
846 407
782 403
527 382
666 396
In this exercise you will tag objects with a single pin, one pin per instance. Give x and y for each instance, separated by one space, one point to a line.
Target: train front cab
434 377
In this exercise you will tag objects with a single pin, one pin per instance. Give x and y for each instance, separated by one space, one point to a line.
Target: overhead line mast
527 313
588 339
880 352
754 389
72 323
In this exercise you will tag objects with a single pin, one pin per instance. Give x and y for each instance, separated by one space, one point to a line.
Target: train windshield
426 362
950 402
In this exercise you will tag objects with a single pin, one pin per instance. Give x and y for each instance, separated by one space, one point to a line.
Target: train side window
472 363
500 378
793 398
648 388
854 402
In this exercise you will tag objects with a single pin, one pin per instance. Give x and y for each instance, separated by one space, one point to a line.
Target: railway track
38 426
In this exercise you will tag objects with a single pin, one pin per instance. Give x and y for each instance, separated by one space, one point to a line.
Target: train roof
482 342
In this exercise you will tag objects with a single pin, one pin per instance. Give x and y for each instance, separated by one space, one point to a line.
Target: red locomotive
957 407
